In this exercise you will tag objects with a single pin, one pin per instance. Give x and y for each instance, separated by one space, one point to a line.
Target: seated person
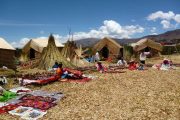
59 70
55 66
132 65
71 74
122 62
165 65
100 67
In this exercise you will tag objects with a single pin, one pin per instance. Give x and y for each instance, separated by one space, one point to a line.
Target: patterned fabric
37 98
37 104
7 108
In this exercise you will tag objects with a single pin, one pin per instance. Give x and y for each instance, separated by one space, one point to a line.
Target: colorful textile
37 98
34 115
132 66
7 108
20 110
28 113
40 81
20 90
7 95
36 104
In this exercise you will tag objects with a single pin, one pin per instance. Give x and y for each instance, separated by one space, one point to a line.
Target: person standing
97 58
143 57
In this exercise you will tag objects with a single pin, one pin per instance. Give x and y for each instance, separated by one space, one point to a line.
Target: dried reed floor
132 95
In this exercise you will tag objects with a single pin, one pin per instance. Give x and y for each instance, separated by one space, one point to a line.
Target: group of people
131 65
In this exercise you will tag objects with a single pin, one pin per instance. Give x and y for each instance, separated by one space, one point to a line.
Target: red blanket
37 98
7 108
37 104
41 81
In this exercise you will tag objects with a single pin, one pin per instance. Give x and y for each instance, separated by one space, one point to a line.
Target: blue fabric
64 76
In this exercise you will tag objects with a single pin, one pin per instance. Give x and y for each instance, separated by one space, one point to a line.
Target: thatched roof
112 45
145 42
50 55
38 44
74 54
5 45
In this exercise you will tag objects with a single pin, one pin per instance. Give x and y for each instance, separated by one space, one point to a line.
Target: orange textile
59 71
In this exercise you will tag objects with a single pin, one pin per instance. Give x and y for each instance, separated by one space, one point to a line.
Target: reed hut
108 47
7 54
33 49
147 45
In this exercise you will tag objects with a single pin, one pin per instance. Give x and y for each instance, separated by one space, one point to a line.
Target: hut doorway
147 49
32 53
105 52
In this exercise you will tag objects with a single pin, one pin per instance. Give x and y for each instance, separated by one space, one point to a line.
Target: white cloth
165 67
121 62
18 88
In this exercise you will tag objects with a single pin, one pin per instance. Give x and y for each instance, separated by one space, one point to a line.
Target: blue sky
21 20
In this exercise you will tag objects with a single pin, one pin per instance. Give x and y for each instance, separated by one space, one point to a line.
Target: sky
22 20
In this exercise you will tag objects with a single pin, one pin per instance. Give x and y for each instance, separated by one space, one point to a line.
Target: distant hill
88 42
170 37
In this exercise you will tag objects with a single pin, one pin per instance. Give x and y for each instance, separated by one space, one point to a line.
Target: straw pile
149 94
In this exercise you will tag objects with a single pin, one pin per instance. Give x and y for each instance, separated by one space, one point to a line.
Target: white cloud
166 24
153 29
154 33
110 28
166 18
177 18
21 43
161 15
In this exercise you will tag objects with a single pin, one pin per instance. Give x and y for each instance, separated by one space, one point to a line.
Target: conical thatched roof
69 49
73 54
50 55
